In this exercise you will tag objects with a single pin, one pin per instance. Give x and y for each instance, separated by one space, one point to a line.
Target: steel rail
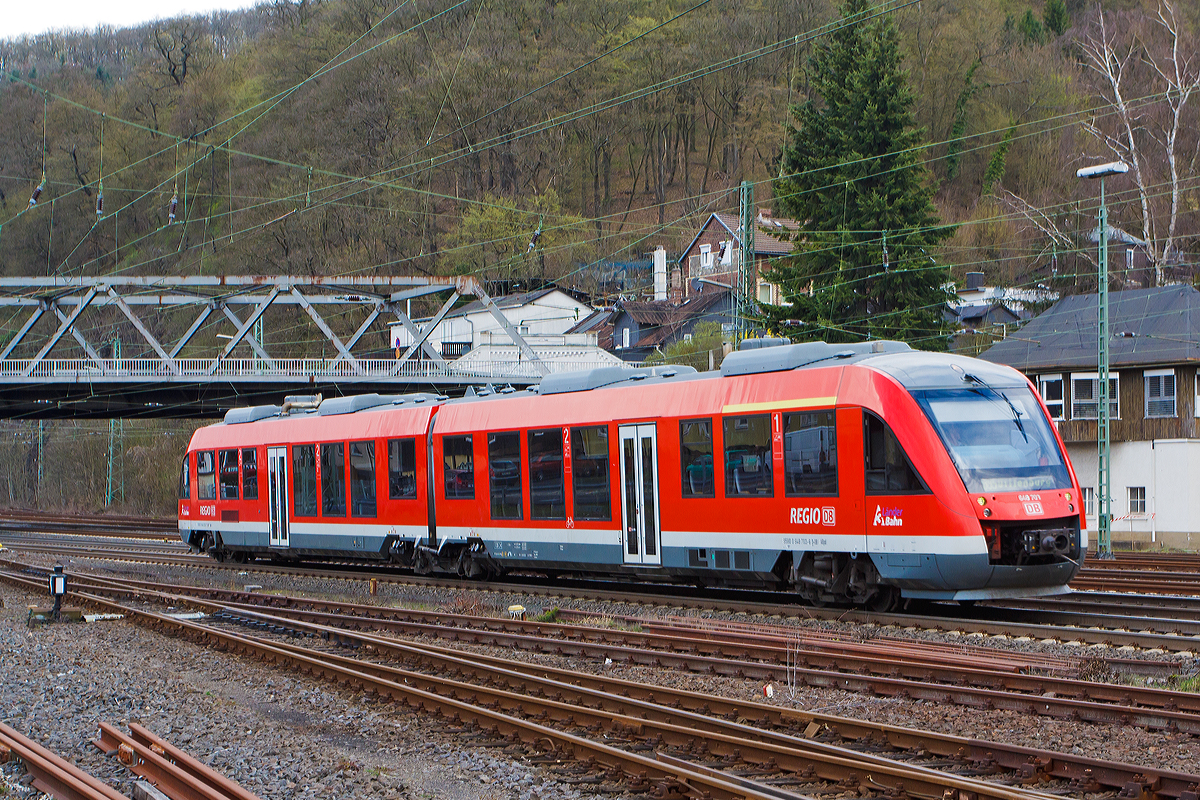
679 729
52 774
640 772
1084 774
935 662
175 773
1118 631
1031 765
1155 709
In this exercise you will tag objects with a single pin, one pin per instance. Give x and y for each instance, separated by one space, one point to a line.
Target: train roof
911 369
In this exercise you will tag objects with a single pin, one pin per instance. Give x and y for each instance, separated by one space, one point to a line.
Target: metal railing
194 370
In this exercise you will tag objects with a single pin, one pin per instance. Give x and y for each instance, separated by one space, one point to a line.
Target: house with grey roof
1154 351
714 255
641 327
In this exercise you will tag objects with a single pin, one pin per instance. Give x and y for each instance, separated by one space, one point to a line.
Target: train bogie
848 473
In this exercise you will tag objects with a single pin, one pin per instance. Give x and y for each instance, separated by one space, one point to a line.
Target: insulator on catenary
171 211
100 204
37 193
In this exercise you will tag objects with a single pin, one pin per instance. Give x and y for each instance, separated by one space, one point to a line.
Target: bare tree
1148 76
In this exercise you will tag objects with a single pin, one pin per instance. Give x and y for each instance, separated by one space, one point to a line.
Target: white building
1154 405
546 312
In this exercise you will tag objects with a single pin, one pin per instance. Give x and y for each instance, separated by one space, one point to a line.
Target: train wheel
886 599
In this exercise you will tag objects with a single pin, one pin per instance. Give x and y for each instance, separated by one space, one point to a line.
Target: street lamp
1104 511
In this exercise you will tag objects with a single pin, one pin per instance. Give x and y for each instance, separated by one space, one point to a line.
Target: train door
641 538
277 498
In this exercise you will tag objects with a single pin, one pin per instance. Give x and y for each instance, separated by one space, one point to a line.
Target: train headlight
1068 496
987 512
981 500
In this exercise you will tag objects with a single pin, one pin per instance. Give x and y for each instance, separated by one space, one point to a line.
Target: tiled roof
765 242
1147 327
665 318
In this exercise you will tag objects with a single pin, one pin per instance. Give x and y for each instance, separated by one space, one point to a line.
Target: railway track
125 527
1170 627
665 740
972 676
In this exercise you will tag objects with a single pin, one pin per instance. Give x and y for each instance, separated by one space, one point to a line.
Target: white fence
285 370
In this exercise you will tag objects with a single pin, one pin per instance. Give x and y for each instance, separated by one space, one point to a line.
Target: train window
547 496
458 461
504 475
304 480
206 475
229 474
185 481
589 472
249 474
402 469
362 479
809 454
748 456
696 457
333 480
888 470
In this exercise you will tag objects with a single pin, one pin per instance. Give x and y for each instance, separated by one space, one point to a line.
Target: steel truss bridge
57 365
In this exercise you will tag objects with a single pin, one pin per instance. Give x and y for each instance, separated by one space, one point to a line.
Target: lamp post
1104 489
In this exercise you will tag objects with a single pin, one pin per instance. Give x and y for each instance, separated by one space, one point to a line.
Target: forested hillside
432 137
358 136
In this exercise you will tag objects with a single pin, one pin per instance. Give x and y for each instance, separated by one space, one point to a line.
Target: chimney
974 281
660 273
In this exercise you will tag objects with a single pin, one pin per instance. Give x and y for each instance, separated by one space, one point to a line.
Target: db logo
1034 509
827 516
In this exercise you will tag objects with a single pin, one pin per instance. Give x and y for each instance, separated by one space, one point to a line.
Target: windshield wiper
1016 414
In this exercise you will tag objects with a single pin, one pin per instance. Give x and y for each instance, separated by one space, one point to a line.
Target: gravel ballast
287 736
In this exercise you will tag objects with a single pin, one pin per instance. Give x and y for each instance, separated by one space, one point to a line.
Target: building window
625 337
1137 499
1051 389
706 257
1160 392
1089 500
1085 396
764 292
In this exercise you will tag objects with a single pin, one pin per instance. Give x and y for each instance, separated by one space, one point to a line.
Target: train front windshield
999 439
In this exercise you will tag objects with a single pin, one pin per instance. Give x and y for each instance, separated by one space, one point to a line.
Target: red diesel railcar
850 473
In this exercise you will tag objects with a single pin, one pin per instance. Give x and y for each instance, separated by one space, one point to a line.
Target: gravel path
286 736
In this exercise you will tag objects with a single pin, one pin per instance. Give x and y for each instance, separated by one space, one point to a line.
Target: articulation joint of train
851 474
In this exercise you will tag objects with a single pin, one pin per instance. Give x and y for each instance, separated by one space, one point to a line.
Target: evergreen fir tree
854 179
1056 16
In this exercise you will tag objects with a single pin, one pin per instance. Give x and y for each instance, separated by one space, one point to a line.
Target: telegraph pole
744 297
1104 475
